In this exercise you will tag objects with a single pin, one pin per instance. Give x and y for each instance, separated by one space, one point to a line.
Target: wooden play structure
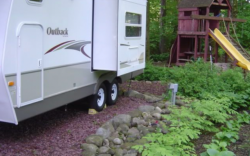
198 23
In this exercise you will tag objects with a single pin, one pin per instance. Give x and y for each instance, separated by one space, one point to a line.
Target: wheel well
119 80
106 83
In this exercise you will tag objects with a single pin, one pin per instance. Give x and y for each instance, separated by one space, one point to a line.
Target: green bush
159 57
200 80
153 73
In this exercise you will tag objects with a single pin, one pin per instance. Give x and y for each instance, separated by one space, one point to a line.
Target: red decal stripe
58 46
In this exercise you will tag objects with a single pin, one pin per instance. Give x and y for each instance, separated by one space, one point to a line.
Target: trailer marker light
11 83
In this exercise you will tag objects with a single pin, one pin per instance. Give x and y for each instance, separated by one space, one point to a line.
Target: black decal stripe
83 52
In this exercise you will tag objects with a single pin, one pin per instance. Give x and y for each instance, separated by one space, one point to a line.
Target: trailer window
133 24
133 31
133 18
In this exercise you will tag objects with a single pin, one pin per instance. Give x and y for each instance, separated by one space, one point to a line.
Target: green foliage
228 134
218 95
159 57
198 80
243 29
153 73
214 152
171 24
187 124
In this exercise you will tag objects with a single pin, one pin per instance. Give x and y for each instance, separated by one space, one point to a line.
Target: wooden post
207 36
178 50
228 24
195 47
216 53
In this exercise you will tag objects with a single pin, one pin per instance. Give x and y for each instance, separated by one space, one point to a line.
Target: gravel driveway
61 132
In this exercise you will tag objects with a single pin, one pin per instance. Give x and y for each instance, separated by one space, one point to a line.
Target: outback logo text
57 31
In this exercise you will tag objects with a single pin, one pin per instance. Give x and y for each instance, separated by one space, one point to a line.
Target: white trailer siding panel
112 49
105 35
7 113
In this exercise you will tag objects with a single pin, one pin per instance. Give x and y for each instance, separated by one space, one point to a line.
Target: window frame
133 25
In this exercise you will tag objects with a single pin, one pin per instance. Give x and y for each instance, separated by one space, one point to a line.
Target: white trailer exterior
53 52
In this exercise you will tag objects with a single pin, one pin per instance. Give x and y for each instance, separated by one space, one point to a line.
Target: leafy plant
214 152
159 57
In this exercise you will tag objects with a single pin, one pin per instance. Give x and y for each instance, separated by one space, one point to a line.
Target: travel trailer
54 52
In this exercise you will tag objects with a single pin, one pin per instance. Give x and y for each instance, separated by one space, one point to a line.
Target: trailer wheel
99 99
113 91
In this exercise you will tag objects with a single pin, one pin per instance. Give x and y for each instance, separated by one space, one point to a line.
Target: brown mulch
60 132
242 146
156 88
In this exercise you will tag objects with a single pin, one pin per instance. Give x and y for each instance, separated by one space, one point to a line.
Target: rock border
118 135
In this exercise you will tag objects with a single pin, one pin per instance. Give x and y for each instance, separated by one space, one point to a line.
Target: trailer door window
133 24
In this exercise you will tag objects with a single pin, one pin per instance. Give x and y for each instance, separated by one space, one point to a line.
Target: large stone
133 133
158 109
132 93
106 130
106 142
146 115
128 145
89 149
132 151
130 139
163 127
146 108
117 141
121 119
103 150
87 153
95 139
113 136
141 141
157 116
151 98
160 105
166 111
112 151
133 154
167 104
180 103
143 130
152 129
104 155
135 113
118 152
138 121
123 128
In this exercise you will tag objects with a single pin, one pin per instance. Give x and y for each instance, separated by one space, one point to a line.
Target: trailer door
131 35
30 64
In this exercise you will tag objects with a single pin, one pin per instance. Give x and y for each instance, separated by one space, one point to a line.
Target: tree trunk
163 39
147 33
235 8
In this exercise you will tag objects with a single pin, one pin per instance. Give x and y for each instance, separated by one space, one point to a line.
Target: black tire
112 93
99 99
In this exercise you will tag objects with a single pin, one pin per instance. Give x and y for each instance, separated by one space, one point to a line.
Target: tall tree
163 40
148 30
235 8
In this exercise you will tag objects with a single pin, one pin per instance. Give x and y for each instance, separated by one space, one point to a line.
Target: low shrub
153 73
159 57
